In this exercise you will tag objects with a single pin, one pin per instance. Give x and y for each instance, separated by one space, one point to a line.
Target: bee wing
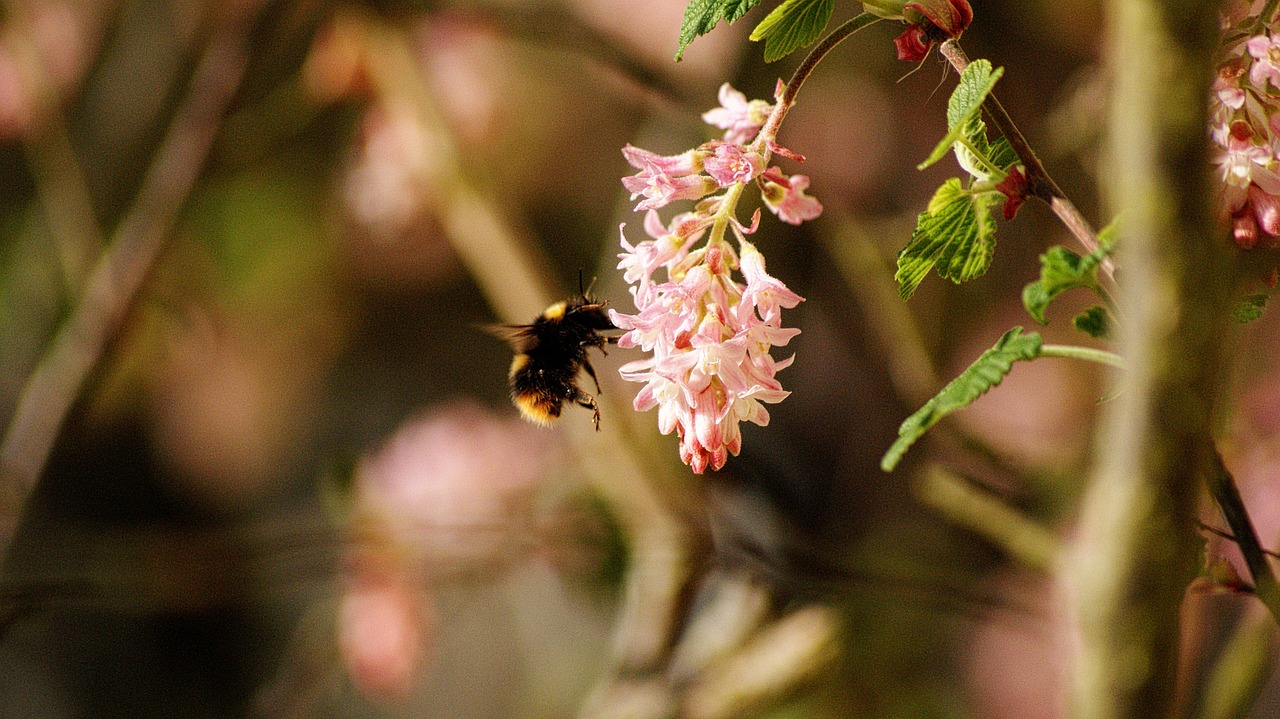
515 335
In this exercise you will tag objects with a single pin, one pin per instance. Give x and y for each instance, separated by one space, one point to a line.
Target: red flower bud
913 45
949 16
1014 186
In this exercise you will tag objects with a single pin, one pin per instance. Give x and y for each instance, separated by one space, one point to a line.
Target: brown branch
1222 486
111 288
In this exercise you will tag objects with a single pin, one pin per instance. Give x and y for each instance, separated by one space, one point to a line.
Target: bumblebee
550 352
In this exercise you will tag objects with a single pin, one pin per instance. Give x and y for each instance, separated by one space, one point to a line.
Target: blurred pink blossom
455 484
385 627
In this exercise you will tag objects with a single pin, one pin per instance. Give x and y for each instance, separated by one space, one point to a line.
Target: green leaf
1093 322
1250 307
701 17
981 376
792 25
1062 270
955 234
1003 155
964 110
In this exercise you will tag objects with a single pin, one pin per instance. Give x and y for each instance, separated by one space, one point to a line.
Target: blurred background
289 482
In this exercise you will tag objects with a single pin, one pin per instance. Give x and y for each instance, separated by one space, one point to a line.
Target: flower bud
949 16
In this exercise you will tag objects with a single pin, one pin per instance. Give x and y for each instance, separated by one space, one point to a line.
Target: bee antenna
587 291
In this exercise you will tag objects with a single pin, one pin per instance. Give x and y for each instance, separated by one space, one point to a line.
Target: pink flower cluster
1245 126
721 164
709 333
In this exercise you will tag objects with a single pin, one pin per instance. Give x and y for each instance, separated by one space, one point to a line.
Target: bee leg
591 371
587 401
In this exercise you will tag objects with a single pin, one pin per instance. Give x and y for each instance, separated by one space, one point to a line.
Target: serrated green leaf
1250 308
1093 322
986 372
965 107
971 91
792 25
1003 155
701 17
1062 270
955 234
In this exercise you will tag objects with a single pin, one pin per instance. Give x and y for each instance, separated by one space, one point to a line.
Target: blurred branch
113 285
896 334
1135 551
60 184
981 512
777 661
558 28
1238 674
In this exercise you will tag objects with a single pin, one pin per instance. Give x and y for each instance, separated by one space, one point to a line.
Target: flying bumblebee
550 351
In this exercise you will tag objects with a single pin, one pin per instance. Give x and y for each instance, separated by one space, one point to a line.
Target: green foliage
955 234
1250 307
1060 270
1002 154
701 17
964 119
1093 322
791 25
987 372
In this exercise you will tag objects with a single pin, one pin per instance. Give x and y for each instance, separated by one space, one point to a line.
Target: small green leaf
963 110
1250 307
701 17
1107 236
1060 270
1093 322
1003 155
987 372
955 234
792 25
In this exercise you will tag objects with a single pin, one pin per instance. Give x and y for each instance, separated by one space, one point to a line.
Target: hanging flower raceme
1245 127
709 315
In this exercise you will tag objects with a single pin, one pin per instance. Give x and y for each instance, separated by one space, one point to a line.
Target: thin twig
1223 488
113 285
802 72
1231 537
